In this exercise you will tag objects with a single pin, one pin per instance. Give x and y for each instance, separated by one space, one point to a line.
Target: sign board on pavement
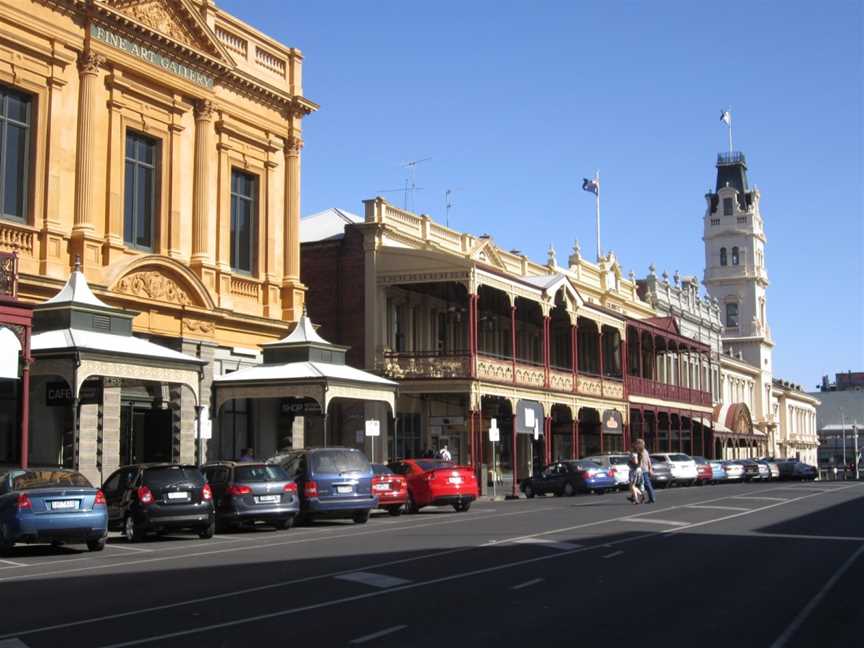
373 428
206 423
494 432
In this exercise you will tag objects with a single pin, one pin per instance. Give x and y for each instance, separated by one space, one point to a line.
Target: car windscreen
679 457
339 461
432 464
262 473
162 476
619 460
586 465
49 478
381 469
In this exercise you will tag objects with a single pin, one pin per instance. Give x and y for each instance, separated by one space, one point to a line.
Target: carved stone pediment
175 19
153 285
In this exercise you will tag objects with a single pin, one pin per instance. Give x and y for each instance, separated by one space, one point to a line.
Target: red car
435 482
391 489
704 472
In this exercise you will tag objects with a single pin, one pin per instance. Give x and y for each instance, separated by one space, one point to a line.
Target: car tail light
145 495
100 499
235 490
612 472
586 474
430 476
290 487
207 494
24 503
310 489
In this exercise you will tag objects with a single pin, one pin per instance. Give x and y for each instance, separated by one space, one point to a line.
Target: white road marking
127 548
12 643
804 488
376 635
759 497
795 536
552 544
719 508
373 580
533 581
801 617
261 588
613 554
14 564
655 521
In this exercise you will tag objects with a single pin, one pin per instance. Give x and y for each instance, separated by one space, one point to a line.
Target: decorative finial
552 261
665 276
576 257
677 278
631 276
77 267
652 270
305 312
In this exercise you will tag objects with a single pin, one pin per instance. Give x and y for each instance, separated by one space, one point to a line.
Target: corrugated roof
68 339
304 371
327 224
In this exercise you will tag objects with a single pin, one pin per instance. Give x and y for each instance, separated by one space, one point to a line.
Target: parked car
734 470
718 472
774 468
794 469
436 482
617 465
682 467
51 506
704 472
751 470
331 482
391 489
764 469
145 498
568 477
662 476
246 493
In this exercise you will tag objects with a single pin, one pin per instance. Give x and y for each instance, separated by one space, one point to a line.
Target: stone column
109 459
201 252
292 290
88 442
86 199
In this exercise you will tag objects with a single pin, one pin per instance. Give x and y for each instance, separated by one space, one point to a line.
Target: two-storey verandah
669 388
481 344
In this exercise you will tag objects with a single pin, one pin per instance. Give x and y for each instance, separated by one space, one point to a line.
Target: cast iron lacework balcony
654 389
8 274
426 364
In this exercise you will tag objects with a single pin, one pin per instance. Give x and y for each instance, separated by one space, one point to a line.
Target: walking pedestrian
647 469
444 453
247 454
636 480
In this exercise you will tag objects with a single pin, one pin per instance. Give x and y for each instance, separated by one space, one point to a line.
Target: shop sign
59 393
373 428
613 423
300 406
529 416
154 58
494 432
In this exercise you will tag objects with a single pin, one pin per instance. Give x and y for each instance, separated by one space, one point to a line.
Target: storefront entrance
145 433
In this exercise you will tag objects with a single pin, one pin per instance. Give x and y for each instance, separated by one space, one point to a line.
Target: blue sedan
51 505
568 477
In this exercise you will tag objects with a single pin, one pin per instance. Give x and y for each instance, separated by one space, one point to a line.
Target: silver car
616 465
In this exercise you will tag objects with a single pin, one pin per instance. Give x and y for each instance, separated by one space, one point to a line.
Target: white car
616 465
683 467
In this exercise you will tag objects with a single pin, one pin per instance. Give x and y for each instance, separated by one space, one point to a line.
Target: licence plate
64 505
601 475
344 489
455 480
267 499
381 487
178 496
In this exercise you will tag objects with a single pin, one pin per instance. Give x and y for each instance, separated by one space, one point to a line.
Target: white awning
10 347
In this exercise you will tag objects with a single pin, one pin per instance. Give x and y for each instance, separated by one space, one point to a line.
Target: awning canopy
77 336
733 419
10 347
303 365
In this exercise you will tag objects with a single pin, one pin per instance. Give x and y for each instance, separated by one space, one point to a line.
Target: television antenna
410 181
448 204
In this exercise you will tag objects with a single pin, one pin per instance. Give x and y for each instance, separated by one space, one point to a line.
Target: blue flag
591 185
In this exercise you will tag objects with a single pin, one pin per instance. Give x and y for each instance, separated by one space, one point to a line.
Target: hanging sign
536 430
494 432
613 423
205 423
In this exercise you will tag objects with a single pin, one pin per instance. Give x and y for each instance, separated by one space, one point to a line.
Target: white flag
726 117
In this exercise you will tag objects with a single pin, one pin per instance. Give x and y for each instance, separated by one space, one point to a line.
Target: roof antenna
448 203
410 184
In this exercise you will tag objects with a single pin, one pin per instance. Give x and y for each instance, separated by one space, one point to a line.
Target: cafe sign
151 56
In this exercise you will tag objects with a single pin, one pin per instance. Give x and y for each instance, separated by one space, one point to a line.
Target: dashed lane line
613 554
376 635
552 544
373 580
760 497
13 564
435 581
533 581
654 521
717 508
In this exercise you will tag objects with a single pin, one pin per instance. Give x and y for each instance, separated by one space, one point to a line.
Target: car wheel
207 532
360 517
529 491
6 542
461 507
411 505
96 545
284 524
568 490
395 511
132 530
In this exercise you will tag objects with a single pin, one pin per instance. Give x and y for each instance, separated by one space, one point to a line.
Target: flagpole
730 130
597 210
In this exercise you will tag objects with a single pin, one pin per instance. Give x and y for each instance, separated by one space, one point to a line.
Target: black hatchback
246 493
157 498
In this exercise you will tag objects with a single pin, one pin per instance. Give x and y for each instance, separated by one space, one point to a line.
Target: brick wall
333 271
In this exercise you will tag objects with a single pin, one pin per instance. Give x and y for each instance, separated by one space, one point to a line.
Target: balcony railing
8 274
647 387
426 364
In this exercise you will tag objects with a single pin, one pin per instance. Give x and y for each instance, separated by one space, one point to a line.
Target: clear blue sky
516 101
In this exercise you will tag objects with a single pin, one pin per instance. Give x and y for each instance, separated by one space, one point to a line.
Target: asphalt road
777 564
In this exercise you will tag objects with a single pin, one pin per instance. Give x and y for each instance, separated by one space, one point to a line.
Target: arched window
723 256
735 255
